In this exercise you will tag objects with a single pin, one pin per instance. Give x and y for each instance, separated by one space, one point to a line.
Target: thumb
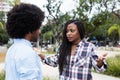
104 55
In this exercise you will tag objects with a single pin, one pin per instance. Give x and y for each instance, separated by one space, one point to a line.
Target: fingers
35 49
105 54
102 57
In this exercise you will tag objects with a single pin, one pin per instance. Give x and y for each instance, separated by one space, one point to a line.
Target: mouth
69 38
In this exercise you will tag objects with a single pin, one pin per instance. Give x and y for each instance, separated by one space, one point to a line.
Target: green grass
49 52
2 75
46 78
2 55
113 66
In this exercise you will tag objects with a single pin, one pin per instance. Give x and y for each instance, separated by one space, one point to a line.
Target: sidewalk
52 73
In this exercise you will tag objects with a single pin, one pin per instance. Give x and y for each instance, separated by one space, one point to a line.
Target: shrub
3 36
2 75
113 66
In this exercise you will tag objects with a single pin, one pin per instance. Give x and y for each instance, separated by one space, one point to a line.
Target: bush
113 66
3 36
2 75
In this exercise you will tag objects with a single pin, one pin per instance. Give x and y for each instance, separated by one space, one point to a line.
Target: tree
114 29
13 2
3 34
96 23
101 16
1 25
3 37
56 18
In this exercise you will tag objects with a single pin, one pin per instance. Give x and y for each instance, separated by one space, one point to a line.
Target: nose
68 33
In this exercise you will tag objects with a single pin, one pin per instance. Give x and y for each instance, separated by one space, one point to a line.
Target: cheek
38 32
76 33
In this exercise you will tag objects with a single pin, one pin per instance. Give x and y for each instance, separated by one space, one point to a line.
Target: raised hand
101 59
42 56
37 50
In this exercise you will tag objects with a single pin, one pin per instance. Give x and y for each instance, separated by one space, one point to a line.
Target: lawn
113 66
2 57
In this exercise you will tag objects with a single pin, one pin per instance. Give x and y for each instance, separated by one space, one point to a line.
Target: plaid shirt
80 64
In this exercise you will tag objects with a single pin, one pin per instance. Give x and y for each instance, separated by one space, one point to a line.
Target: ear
28 36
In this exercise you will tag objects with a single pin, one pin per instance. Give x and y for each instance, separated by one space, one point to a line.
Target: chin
70 40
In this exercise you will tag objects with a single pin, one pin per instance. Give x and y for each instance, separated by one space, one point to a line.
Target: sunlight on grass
113 66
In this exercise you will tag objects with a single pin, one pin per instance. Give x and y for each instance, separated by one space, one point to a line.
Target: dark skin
73 36
32 36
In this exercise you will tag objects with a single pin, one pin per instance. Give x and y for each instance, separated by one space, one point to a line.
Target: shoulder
23 51
86 43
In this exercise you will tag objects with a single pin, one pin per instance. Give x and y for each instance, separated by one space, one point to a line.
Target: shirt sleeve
51 60
28 67
94 57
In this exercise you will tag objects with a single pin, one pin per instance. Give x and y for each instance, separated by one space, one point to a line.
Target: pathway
52 73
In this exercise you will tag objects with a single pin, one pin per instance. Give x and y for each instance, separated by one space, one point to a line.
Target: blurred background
100 17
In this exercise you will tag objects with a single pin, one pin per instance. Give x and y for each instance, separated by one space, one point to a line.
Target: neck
76 43
27 37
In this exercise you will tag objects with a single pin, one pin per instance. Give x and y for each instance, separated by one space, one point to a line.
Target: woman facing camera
76 56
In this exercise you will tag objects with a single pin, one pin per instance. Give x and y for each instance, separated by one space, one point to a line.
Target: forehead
71 26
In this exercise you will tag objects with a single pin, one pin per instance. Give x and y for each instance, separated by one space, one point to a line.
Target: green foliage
2 75
49 52
113 66
100 19
3 36
2 17
48 35
46 78
114 33
1 25
13 2
113 28
56 18
46 28
95 25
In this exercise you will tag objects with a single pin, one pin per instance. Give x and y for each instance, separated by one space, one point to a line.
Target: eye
72 30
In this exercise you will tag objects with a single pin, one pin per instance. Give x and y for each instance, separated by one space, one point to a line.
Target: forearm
42 56
51 60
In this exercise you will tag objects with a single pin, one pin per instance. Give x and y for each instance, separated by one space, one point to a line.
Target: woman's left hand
101 59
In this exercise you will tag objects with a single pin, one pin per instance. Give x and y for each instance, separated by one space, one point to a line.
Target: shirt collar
81 43
24 41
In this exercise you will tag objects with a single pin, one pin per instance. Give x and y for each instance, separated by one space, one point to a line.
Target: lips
69 38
